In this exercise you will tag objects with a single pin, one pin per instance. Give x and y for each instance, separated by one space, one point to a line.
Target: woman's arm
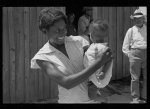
70 81
106 66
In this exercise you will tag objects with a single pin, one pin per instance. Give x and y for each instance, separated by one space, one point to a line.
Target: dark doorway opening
78 12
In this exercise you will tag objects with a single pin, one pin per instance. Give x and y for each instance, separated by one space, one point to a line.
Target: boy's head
99 30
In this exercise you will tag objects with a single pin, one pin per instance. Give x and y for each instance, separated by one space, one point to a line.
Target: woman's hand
100 75
105 57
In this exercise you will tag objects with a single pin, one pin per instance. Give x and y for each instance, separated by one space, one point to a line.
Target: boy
99 30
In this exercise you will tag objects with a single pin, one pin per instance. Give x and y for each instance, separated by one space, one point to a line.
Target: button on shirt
136 38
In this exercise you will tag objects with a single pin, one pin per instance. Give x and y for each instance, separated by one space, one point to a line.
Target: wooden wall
22 39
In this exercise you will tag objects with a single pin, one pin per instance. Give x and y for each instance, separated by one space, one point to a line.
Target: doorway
77 10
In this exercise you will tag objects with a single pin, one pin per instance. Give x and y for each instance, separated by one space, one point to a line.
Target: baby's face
96 36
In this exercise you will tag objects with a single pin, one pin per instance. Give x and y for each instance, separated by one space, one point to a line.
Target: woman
61 58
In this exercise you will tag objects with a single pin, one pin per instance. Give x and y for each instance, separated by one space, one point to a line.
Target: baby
99 30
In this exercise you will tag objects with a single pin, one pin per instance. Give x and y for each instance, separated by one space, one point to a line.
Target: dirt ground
118 91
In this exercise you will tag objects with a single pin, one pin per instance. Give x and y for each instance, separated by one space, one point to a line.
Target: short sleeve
84 42
34 65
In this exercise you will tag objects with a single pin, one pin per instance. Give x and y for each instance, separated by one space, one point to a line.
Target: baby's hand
105 57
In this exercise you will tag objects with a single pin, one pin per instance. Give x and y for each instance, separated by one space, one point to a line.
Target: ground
118 91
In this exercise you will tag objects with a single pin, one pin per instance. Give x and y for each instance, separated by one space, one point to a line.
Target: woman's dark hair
48 17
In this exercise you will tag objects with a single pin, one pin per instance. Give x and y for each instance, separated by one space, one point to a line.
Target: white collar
48 48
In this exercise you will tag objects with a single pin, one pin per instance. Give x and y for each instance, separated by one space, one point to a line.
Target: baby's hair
48 17
99 24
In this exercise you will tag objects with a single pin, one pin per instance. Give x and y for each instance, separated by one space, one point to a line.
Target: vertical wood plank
33 51
126 27
12 54
36 37
119 41
105 13
100 12
27 61
31 75
113 37
95 12
40 44
106 17
53 90
6 72
20 82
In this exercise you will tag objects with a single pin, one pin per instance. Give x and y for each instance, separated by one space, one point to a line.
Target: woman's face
57 32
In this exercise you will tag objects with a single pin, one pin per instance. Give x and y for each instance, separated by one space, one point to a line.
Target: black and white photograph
74 55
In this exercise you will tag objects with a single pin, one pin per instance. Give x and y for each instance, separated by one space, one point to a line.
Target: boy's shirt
90 57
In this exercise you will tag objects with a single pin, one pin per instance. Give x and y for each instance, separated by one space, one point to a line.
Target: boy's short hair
48 17
99 25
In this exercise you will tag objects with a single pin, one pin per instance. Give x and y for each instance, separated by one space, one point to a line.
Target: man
135 47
